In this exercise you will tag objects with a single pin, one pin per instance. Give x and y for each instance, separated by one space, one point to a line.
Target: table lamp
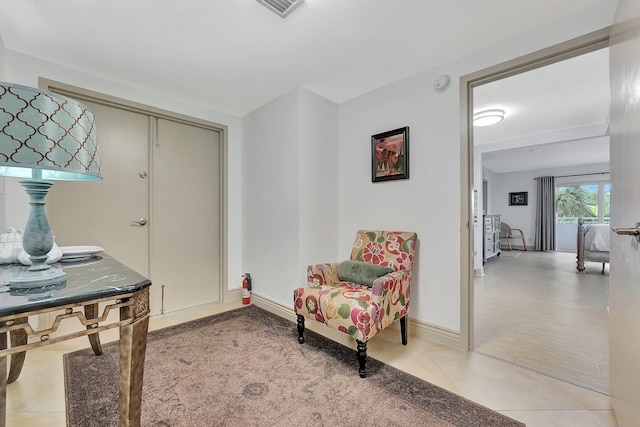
44 136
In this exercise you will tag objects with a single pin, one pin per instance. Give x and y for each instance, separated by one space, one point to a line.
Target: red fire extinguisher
246 289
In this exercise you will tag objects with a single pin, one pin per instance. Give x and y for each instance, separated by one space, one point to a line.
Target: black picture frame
390 155
519 198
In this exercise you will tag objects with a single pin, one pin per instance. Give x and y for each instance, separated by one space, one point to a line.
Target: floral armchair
364 295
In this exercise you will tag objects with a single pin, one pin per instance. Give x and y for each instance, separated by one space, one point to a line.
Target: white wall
524 217
26 70
429 202
3 200
319 158
270 197
1 58
289 182
273 180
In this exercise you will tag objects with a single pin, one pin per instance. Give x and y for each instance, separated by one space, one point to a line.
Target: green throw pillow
361 272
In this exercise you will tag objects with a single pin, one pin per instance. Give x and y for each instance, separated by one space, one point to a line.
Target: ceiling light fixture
282 8
488 117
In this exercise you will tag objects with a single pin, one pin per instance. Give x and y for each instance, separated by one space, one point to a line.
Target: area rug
246 368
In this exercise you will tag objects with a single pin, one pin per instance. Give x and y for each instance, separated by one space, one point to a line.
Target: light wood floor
533 309
37 398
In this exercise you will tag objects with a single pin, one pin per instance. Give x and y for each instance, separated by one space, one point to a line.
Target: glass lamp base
38 279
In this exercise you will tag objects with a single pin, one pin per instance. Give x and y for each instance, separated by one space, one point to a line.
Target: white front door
185 236
158 208
104 213
624 319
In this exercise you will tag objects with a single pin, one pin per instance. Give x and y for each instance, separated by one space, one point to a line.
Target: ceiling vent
282 8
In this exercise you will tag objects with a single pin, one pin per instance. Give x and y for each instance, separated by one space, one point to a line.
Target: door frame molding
560 52
124 104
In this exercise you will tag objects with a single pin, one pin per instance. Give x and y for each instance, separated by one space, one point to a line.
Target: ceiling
555 116
235 56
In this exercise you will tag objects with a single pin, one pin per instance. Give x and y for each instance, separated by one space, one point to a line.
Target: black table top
99 277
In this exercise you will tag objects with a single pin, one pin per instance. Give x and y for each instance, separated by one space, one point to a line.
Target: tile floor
37 398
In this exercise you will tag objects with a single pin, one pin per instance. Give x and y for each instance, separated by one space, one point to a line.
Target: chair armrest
322 274
518 230
392 292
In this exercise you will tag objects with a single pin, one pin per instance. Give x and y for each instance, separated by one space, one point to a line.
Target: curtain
546 214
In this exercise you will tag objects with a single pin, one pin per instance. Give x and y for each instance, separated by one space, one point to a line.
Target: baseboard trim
232 295
431 332
428 331
273 306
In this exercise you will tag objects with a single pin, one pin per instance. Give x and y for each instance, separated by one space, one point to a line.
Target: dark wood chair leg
300 329
403 329
362 357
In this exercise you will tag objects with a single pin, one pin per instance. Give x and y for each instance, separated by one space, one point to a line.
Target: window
588 201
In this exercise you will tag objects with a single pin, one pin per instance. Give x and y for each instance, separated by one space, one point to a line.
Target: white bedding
596 238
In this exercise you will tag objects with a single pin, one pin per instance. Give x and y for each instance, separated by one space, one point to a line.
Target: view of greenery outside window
588 201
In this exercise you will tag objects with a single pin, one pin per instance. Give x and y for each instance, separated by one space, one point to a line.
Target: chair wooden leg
403 329
300 329
362 357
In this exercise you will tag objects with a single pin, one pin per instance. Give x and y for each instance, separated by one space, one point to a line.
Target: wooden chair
507 233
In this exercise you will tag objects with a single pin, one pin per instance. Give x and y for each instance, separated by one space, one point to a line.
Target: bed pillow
360 272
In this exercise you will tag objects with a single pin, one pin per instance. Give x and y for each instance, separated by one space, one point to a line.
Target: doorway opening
508 164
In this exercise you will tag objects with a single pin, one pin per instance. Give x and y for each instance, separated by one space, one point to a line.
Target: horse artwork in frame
390 155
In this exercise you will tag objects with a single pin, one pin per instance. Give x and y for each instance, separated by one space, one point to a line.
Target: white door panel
624 319
166 174
186 215
101 213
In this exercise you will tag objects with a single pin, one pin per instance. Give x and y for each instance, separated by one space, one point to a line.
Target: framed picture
519 199
390 155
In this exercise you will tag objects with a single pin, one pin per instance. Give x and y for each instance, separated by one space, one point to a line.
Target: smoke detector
282 8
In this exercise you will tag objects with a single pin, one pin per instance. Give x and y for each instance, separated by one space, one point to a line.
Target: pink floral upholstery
353 308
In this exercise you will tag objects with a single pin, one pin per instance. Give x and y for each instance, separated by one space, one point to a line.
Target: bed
593 244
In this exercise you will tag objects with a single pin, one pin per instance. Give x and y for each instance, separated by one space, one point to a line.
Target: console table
100 281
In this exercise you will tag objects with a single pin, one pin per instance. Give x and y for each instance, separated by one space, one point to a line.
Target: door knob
139 223
628 231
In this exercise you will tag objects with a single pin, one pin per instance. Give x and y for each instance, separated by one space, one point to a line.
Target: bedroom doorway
500 325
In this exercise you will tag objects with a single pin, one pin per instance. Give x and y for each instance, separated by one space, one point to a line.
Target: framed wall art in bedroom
519 199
